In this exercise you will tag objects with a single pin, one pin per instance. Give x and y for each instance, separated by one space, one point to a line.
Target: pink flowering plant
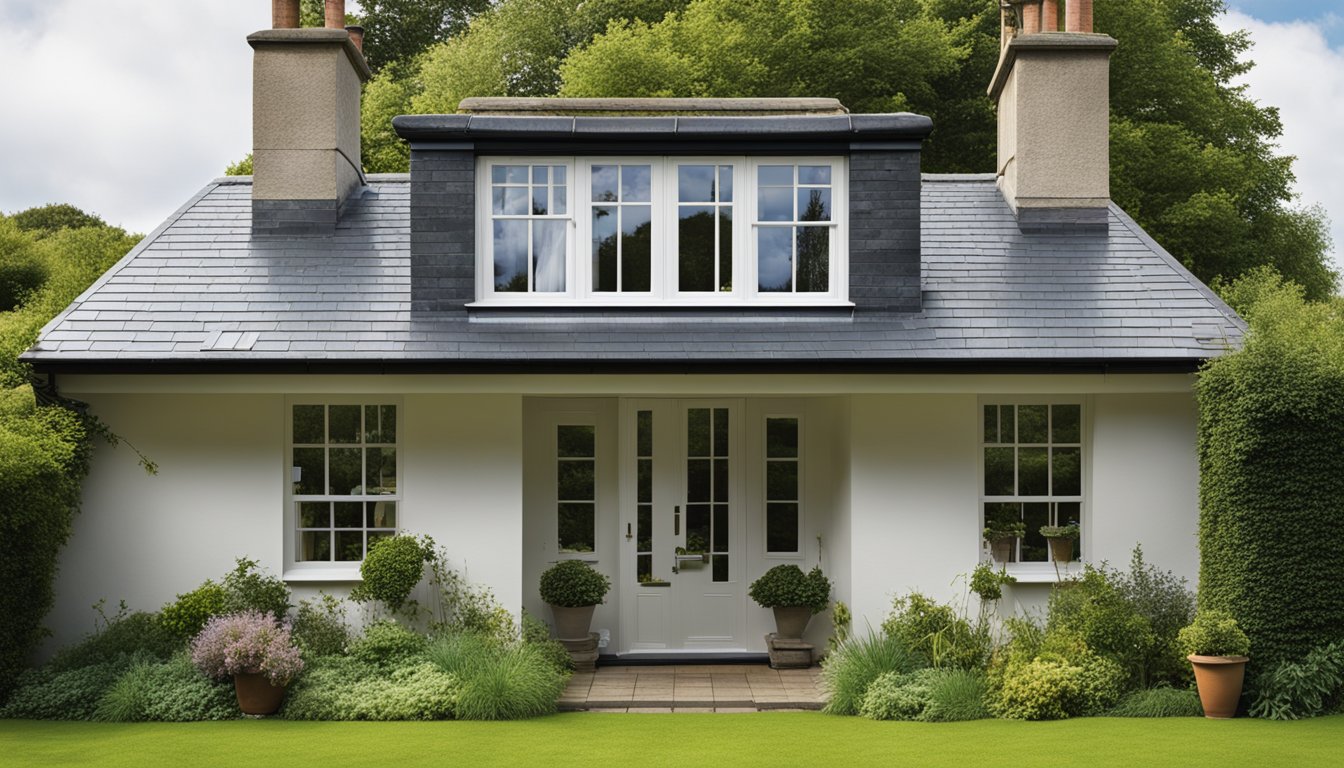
250 642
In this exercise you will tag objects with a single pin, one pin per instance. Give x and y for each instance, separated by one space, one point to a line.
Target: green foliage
1095 611
1271 441
1040 689
397 31
391 569
1069 531
935 632
786 586
518 682
538 634
856 663
172 691
386 644
120 637
188 614
320 628
1162 701
1291 690
955 695
1214 633
842 619
929 695
241 168
338 688
51 218
897 696
72 694
23 264
248 588
1164 600
573 584
988 583
1004 529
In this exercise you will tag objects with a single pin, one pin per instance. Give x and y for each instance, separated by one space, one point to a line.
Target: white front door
682 514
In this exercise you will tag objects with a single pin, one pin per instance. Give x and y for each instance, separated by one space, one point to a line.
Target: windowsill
1043 573
571 311
295 575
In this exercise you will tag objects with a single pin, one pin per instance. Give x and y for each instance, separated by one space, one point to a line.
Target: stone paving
694 688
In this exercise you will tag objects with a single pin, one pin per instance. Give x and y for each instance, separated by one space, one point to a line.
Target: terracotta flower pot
1219 680
256 694
1061 550
572 623
791 621
1001 549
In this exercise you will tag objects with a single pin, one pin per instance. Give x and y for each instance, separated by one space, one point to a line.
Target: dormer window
675 231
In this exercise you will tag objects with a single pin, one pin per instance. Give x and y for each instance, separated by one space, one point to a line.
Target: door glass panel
697 527
644 496
707 478
576 488
781 527
781 485
309 424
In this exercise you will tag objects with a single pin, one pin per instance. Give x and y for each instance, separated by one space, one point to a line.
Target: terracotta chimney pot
335 14
1050 16
1031 18
356 36
285 14
1078 16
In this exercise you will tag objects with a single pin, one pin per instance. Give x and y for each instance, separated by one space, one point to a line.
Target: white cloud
1297 71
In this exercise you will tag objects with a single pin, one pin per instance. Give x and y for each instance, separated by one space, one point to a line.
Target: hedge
1271 459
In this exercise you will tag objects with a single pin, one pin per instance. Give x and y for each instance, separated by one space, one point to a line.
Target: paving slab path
694 688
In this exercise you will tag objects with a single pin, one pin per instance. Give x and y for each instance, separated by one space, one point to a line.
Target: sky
126 108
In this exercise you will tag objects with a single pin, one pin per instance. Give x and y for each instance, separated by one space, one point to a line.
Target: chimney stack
1052 90
305 124
335 14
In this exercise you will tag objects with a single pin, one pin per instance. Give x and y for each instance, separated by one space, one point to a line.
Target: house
755 332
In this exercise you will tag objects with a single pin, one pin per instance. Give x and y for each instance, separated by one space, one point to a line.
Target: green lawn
770 739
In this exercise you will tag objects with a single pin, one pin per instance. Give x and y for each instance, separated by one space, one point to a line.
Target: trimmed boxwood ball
786 586
573 584
1214 633
392 569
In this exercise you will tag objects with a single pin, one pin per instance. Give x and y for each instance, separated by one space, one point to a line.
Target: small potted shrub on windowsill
573 590
1217 649
254 649
1061 538
793 595
1001 536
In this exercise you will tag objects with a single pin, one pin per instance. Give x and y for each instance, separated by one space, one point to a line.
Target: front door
681 512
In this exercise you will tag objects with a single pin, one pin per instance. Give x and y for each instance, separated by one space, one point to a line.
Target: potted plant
793 595
1061 538
1001 534
1217 649
256 650
573 590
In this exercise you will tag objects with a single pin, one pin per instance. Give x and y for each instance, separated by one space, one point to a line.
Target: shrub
1291 690
519 682
1101 684
461 653
187 615
118 638
1162 701
1164 600
1271 444
391 569
785 586
1214 633
246 588
337 688
856 663
73 694
1094 610
930 695
387 644
23 265
538 635
956 694
172 691
896 696
1041 689
988 583
324 690
320 628
937 633
573 584
246 643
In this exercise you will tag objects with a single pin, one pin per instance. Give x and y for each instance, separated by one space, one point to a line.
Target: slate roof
201 293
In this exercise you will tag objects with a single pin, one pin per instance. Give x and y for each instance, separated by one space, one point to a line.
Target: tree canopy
1193 158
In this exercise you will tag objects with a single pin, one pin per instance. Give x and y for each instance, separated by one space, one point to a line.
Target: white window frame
572 419
665 291
1039 571
765 486
296 570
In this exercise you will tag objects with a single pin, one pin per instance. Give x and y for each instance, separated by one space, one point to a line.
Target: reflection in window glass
576 487
529 243
1033 466
622 228
707 508
793 241
783 496
704 228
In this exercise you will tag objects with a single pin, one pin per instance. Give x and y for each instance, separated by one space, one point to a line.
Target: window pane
1065 423
604 183
991 424
314 514
1007 423
720 479
781 438
559 200
697 528
644 471
644 532
343 424
636 248
814 204
349 546
539 174
698 480
695 248
540 202
695 183
604 248
575 441
515 201
548 249
720 431
557 174
382 514
510 244
814 259
720 542
380 471
575 481
576 528
774 259
644 568
725 249
1033 472
781 480
814 174
1034 547
781 527
349 514
635 183
697 432
774 175
309 424
775 204
512 174
998 471
1068 467
725 183
312 472
345 472
1031 424
314 545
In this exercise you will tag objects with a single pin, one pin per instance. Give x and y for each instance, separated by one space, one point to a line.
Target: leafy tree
241 168
397 31
53 217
